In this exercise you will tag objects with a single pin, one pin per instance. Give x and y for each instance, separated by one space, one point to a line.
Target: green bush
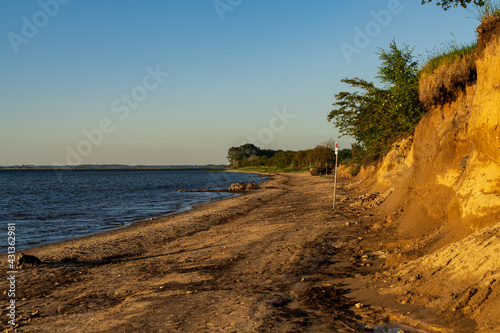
377 117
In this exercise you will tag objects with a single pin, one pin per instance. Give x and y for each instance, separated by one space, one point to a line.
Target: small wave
47 210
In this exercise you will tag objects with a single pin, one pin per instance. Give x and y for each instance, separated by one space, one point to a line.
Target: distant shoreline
115 167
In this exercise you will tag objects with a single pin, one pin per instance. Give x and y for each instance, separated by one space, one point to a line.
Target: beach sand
276 259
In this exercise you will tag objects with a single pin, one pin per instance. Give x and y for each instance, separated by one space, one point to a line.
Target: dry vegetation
448 80
448 71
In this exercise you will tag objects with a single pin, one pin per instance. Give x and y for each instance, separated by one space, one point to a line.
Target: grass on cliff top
452 51
490 8
447 73
446 56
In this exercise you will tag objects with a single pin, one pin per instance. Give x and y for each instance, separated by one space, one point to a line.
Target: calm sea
47 207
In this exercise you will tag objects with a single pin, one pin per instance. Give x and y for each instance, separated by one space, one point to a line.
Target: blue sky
181 81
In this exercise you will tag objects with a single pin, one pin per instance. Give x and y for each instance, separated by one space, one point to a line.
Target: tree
330 143
301 159
360 114
248 155
344 155
446 4
374 116
399 72
320 156
282 159
238 156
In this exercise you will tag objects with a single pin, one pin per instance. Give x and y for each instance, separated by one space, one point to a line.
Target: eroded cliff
445 181
442 191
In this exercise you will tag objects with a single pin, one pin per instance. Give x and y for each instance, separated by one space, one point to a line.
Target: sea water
48 206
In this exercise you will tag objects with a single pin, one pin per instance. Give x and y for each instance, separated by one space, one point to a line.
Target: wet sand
276 259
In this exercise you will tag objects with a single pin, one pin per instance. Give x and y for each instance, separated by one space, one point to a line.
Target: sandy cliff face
445 181
445 193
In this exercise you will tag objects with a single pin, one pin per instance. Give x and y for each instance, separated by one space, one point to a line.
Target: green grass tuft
490 8
447 55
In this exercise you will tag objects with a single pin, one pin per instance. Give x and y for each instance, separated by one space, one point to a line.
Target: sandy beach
277 259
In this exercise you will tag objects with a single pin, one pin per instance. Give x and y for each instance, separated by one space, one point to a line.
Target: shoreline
148 220
277 258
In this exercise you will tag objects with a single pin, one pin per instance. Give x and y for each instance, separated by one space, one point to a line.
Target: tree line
321 157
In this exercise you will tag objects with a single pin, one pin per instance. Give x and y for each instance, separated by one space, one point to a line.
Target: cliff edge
442 190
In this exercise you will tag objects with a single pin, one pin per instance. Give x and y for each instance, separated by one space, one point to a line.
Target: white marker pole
335 183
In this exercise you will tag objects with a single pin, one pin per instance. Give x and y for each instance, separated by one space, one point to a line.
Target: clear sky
181 81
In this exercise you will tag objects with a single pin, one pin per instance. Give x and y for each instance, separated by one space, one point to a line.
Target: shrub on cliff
376 117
